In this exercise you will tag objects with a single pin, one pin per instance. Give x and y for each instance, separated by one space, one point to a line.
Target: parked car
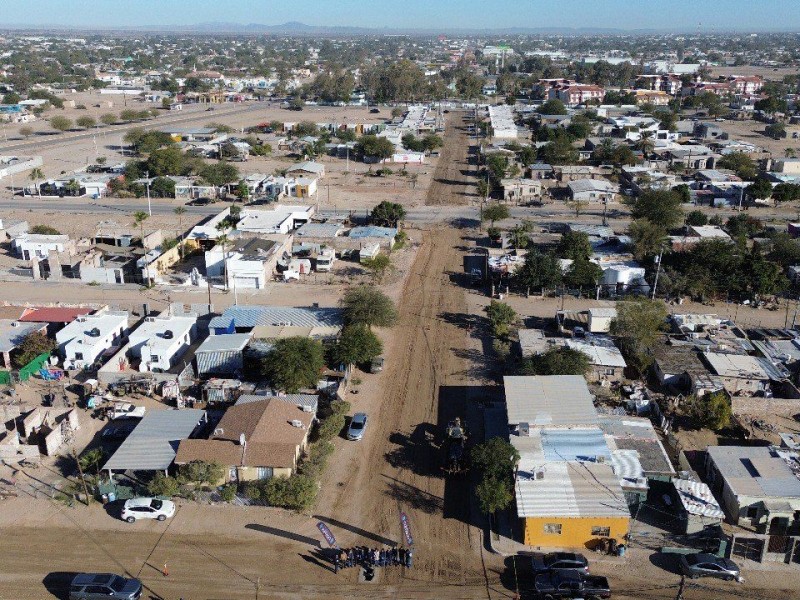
93 586
357 426
570 584
200 202
709 565
560 561
126 410
375 111
147 508
376 366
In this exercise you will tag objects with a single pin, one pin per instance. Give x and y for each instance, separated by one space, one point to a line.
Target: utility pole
149 207
658 271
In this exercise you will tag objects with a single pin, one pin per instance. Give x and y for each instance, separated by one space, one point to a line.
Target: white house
592 190
30 245
161 340
87 337
250 262
280 219
9 165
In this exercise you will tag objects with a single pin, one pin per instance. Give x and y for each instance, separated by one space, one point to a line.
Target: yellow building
568 494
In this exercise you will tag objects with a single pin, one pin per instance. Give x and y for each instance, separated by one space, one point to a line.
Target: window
610 371
552 528
264 472
79 356
601 531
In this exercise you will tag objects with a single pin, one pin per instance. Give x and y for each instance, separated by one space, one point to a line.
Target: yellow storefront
574 532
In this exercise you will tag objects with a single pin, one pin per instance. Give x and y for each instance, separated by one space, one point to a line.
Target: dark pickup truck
571 584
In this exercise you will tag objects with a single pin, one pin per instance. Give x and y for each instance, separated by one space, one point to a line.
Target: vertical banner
326 533
406 528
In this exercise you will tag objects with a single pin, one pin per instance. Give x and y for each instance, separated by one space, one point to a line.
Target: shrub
200 471
296 493
228 492
163 485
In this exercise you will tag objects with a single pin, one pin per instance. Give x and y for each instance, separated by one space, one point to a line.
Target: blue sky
434 14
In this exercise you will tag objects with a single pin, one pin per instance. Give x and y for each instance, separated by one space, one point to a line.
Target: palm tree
223 241
36 175
180 211
646 143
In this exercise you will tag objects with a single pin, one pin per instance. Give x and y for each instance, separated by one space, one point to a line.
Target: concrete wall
576 532
762 406
33 420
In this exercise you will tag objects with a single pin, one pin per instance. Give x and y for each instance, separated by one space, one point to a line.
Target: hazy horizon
683 15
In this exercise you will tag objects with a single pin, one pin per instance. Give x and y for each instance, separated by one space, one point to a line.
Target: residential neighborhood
496 304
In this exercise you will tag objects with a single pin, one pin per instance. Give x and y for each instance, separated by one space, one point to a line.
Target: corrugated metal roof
549 400
600 350
757 471
697 499
12 333
371 231
627 467
220 362
571 489
154 442
320 230
225 342
252 316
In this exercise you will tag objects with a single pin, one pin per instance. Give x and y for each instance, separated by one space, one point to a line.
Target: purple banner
406 528
326 533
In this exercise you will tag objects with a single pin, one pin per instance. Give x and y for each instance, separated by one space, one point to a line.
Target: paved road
194 115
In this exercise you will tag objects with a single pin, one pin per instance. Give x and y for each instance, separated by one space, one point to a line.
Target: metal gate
748 548
778 544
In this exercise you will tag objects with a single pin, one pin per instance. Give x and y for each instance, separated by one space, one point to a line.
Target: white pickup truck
126 410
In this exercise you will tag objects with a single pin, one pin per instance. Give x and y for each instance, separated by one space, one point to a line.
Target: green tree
163 485
560 360
108 118
294 363
760 189
712 411
574 245
377 147
31 346
784 250
44 230
202 472
583 273
388 214
129 115
139 217
539 271
163 187
298 492
776 131
696 218
85 122
559 152
357 345
36 175
638 326
220 173
648 238
743 225
740 163
660 207
501 316
26 131
60 123
495 460
553 107
378 266
91 460
495 212
786 192
166 161
11 98
366 305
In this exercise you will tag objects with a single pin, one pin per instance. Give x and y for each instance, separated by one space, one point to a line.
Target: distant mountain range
302 29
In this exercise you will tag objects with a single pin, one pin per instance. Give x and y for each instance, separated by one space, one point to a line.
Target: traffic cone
165 572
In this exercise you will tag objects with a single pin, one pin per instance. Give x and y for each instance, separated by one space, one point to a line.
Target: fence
33 366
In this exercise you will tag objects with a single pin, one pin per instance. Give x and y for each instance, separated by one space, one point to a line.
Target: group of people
373 557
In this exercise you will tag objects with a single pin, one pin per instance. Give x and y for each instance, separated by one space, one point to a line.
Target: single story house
592 190
160 341
83 341
253 441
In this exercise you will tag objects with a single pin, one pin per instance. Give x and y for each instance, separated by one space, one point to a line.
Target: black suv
560 561
94 586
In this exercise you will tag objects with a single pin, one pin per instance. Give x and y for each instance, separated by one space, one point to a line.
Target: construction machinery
454 448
